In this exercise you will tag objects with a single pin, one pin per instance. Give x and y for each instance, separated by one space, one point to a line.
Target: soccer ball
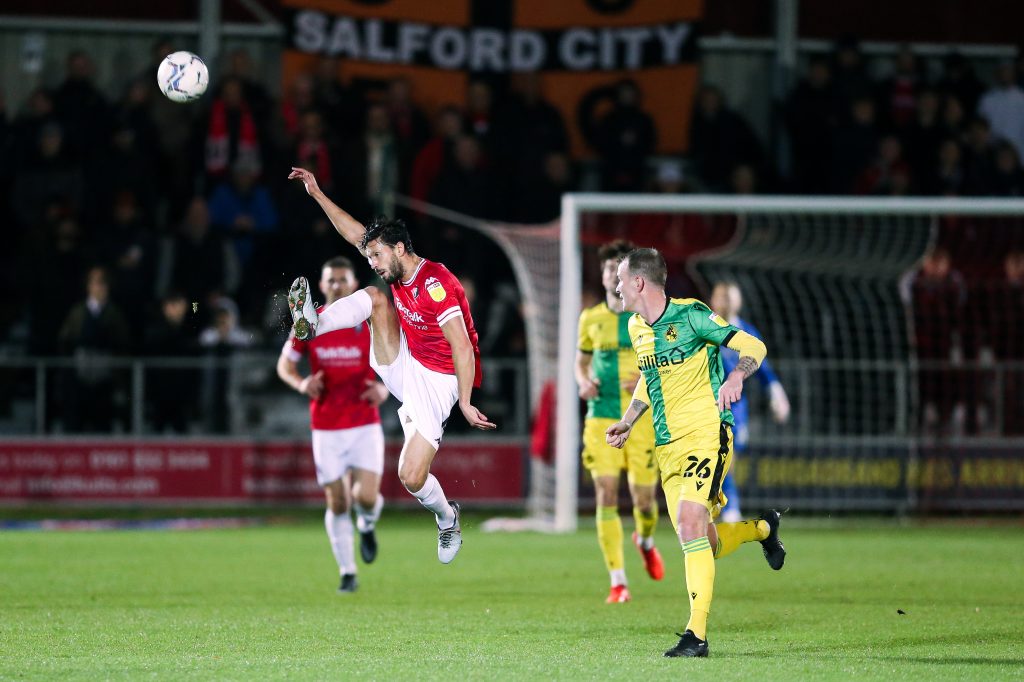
182 76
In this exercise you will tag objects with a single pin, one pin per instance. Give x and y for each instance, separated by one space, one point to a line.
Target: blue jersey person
727 300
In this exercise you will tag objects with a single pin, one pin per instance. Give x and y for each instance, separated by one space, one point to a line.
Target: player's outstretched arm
348 227
465 371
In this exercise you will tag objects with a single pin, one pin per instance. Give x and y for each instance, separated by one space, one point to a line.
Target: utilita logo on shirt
674 356
338 353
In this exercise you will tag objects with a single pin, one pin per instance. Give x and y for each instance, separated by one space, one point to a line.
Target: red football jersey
344 357
425 301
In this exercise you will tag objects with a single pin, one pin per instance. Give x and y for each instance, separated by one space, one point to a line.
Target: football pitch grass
259 603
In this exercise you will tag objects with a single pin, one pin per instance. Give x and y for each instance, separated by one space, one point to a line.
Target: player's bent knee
364 495
414 483
643 499
337 500
377 297
690 531
693 521
338 505
413 478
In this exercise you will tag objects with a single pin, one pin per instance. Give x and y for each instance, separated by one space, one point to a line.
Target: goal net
895 327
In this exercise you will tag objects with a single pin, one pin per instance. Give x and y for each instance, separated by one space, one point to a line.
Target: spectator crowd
123 211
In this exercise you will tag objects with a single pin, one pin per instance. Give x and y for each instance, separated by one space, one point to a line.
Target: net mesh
897 338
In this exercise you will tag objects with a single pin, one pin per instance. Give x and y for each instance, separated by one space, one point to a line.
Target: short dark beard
396 273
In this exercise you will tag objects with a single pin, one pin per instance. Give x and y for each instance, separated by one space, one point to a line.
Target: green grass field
259 603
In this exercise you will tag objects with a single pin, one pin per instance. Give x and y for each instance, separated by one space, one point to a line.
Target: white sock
366 519
618 577
432 497
345 313
647 543
339 532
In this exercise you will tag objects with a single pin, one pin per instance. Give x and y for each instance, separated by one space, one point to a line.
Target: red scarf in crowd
217 141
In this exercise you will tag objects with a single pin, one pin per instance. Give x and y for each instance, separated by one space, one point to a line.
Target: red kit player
423 346
348 443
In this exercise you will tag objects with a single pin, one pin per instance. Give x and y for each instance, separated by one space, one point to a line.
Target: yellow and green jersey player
607 374
677 343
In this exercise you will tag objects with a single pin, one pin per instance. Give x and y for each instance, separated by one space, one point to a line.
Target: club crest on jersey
671 334
435 289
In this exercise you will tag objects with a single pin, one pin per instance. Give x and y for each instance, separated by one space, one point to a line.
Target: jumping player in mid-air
424 347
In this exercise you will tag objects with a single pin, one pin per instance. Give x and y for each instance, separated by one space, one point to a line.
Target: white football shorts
427 396
338 450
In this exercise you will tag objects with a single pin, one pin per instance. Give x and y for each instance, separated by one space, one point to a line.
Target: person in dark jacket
171 390
94 332
720 140
623 138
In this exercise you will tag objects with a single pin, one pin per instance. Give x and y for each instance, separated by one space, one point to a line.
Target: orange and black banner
577 46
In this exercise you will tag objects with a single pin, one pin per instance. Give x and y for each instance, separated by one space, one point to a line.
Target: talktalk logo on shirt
409 315
338 353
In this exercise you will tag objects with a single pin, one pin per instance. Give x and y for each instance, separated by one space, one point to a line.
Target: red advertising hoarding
227 472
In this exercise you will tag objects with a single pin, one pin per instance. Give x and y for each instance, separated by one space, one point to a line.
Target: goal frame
567 441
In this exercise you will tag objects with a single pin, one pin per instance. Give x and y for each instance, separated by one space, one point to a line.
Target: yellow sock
646 523
700 583
609 536
732 535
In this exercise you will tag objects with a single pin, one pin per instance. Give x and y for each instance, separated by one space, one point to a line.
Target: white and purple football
182 76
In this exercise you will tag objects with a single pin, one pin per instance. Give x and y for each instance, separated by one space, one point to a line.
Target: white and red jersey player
424 346
425 301
423 375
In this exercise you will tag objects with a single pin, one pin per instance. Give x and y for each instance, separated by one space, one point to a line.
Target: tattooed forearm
633 412
747 365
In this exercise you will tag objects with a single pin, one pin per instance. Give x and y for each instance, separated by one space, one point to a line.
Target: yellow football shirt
604 334
681 366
